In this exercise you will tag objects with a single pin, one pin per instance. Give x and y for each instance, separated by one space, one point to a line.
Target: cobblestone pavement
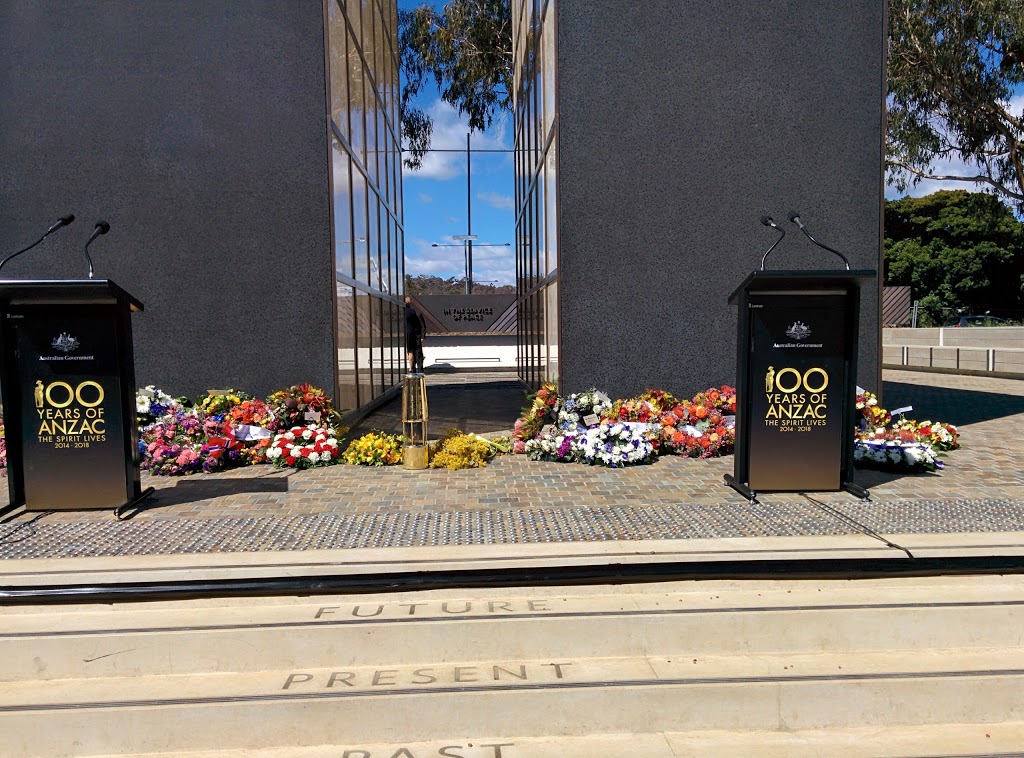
515 500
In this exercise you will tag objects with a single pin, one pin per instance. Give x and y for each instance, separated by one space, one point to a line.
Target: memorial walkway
978 500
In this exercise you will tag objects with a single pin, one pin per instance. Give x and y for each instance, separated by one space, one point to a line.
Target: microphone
769 221
795 218
62 221
102 227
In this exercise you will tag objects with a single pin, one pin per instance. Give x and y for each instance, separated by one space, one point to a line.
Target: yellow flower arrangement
216 402
456 450
871 411
374 449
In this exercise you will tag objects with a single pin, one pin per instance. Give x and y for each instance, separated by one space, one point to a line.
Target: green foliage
957 249
953 66
467 50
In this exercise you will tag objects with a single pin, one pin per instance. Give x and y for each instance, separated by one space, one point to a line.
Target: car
976 321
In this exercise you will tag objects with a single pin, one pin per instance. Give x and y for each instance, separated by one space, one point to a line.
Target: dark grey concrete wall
198 129
680 125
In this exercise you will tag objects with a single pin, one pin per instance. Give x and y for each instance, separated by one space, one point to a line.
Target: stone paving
514 500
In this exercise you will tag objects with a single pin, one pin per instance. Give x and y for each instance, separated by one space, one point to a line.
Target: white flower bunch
148 395
553 446
891 454
572 411
616 445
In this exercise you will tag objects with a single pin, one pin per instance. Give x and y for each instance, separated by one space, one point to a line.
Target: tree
427 284
958 250
953 67
467 50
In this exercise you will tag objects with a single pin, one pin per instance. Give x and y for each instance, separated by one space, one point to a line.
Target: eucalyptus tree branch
977 179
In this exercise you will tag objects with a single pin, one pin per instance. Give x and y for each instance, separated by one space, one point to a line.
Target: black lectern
68 378
796 381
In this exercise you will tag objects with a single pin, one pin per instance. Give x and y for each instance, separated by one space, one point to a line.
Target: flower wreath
304 447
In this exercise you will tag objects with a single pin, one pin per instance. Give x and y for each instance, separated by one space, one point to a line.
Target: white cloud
497 200
421 258
448 260
450 134
424 198
497 275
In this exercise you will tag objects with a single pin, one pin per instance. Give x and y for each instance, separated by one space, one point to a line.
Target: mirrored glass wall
536 144
363 90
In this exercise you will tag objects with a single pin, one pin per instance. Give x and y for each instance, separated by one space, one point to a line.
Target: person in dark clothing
415 333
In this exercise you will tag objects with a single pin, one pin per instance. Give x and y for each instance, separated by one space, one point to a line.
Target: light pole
467 239
467 254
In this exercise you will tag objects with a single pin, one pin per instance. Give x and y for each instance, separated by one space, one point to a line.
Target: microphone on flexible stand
62 221
769 221
102 227
795 218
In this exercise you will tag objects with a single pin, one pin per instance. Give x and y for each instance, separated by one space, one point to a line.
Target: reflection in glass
401 263
365 189
364 330
536 191
368 40
373 348
551 321
361 271
387 359
378 346
348 397
397 348
550 214
382 135
337 39
353 11
357 130
372 263
342 209
548 43
538 210
371 133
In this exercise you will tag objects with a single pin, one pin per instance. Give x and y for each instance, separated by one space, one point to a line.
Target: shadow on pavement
198 488
870 478
952 406
474 403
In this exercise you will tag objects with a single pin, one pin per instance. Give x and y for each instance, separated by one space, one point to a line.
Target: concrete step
38 643
530 699
896 741
693 668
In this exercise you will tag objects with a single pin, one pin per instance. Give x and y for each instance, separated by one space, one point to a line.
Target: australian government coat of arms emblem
798 331
65 342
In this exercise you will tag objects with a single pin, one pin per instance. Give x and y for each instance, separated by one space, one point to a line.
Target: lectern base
856 490
134 501
11 507
741 488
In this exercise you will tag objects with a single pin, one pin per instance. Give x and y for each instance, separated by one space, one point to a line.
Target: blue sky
435 196
436 206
